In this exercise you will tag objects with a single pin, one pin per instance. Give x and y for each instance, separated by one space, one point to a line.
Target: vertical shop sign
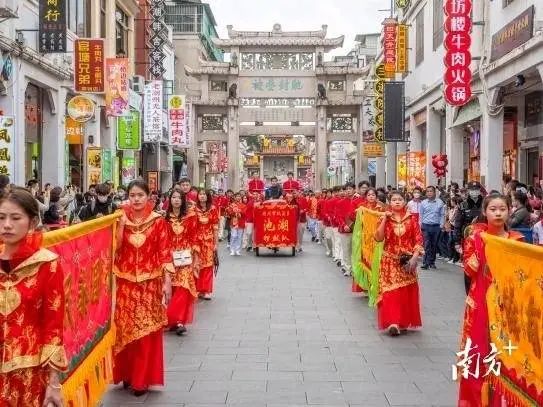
128 170
457 27
107 165
89 65
52 26
389 46
6 145
94 165
67 175
416 169
176 119
188 124
401 48
401 169
153 112
128 131
117 87
378 103
158 37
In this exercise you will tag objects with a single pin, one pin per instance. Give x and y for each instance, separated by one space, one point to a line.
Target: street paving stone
287 331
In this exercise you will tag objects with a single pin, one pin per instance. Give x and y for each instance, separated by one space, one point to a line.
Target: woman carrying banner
32 308
208 226
185 252
143 270
493 220
398 303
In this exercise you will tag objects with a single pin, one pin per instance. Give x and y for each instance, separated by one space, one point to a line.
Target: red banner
457 27
86 257
275 224
89 65
389 46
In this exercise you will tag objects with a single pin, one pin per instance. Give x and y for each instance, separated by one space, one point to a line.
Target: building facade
36 88
497 134
275 107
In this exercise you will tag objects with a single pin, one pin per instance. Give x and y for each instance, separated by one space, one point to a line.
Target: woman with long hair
398 302
208 226
186 254
493 220
32 310
144 274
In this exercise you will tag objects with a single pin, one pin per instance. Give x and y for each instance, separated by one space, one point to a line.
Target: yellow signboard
372 150
401 51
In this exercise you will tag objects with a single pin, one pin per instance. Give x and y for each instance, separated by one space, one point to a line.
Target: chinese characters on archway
458 57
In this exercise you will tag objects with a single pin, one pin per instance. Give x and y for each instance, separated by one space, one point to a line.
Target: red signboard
89 65
457 75
389 46
276 224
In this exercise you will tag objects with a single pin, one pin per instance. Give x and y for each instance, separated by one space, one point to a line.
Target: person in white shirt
537 232
414 204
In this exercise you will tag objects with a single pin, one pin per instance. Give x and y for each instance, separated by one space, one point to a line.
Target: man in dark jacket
470 209
101 205
274 191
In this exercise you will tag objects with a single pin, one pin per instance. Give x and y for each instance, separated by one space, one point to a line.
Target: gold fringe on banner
503 389
87 384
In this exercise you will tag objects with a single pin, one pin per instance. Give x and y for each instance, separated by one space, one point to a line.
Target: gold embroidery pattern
184 277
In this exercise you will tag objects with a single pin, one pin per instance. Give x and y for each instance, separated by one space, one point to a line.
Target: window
79 17
217 86
438 23
167 91
103 18
121 33
507 2
419 39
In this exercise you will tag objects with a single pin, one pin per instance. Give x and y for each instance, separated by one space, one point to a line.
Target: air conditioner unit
8 9
137 83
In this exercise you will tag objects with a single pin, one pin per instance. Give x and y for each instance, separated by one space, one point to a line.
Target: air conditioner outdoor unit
8 9
137 83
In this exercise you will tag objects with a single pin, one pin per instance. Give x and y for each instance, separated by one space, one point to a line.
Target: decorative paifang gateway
297 61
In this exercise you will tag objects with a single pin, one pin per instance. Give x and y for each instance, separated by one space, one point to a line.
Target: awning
468 112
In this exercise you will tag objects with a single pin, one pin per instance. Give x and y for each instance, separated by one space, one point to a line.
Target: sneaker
318 241
249 248
433 266
393 330
228 245
180 329
458 263
312 238
327 254
450 261
206 296
238 254
424 267
232 254
347 273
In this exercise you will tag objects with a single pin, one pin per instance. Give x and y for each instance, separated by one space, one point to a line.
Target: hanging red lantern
440 162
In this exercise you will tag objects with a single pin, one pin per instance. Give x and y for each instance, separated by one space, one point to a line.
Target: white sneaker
450 262
232 254
346 273
328 254
238 254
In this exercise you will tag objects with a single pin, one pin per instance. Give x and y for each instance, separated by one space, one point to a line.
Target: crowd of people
167 256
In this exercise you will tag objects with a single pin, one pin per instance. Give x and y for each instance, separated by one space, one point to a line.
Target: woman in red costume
208 226
398 303
495 211
370 201
31 308
143 271
185 251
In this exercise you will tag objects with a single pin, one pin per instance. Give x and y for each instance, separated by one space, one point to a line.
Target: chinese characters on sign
153 112
276 84
188 124
89 65
389 46
401 48
411 169
158 36
470 363
128 131
379 104
457 76
117 87
176 119
6 144
94 165
368 120
372 150
52 26
128 170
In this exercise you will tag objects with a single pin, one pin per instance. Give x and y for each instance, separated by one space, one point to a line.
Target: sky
343 17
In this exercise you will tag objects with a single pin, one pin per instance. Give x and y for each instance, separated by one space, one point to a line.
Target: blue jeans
431 237
236 238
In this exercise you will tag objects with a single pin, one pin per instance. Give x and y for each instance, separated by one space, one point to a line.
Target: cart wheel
293 251
257 251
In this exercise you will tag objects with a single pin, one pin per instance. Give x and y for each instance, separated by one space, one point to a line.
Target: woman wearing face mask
186 254
143 288
398 303
495 211
32 322
414 204
101 205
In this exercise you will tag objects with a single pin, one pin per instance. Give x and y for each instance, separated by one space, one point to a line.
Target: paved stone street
286 331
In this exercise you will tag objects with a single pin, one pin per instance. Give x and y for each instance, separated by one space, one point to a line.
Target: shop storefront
34 97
